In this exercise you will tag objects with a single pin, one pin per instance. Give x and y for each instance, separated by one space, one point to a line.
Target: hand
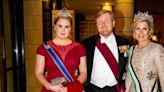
63 89
58 88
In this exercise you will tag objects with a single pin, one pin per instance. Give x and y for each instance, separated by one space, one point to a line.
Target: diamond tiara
143 16
63 13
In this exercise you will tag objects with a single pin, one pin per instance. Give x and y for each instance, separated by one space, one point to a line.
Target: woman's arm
39 69
83 70
39 73
160 65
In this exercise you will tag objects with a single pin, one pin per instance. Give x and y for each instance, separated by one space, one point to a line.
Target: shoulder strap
58 62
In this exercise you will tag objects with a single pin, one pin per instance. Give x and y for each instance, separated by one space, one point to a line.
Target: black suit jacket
90 44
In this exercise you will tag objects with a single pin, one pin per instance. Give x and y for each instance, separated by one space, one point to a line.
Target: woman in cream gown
145 68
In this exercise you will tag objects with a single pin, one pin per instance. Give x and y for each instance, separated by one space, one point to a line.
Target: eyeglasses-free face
62 28
141 31
105 24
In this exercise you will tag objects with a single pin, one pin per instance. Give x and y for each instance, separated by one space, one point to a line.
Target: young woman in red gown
72 54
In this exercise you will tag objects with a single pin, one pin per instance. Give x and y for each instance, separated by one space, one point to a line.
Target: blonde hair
101 12
143 17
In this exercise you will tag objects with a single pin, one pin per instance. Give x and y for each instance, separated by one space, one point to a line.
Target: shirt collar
106 40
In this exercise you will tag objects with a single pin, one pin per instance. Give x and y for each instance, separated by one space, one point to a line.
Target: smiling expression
141 31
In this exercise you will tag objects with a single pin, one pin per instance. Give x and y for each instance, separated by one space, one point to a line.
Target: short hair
101 12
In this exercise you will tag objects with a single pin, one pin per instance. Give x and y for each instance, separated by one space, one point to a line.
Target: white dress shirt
102 74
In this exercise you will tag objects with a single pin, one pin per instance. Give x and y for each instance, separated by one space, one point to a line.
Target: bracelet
47 85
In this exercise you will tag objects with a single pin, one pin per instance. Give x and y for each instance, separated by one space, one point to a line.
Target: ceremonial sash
58 62
112 62
137 85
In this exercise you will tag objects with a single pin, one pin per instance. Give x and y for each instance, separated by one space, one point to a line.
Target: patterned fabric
148 66
69 54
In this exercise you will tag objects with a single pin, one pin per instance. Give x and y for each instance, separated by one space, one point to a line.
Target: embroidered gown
148 65
70 56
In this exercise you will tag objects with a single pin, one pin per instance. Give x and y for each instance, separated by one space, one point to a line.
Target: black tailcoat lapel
89 45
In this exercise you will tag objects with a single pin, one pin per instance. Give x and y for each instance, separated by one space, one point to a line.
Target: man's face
105 24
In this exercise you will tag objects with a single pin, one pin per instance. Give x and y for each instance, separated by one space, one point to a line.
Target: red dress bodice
70 56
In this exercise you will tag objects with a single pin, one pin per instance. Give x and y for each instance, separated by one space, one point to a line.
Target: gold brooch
123 48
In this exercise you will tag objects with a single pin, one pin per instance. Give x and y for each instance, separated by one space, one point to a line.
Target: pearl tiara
63 13
143 16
